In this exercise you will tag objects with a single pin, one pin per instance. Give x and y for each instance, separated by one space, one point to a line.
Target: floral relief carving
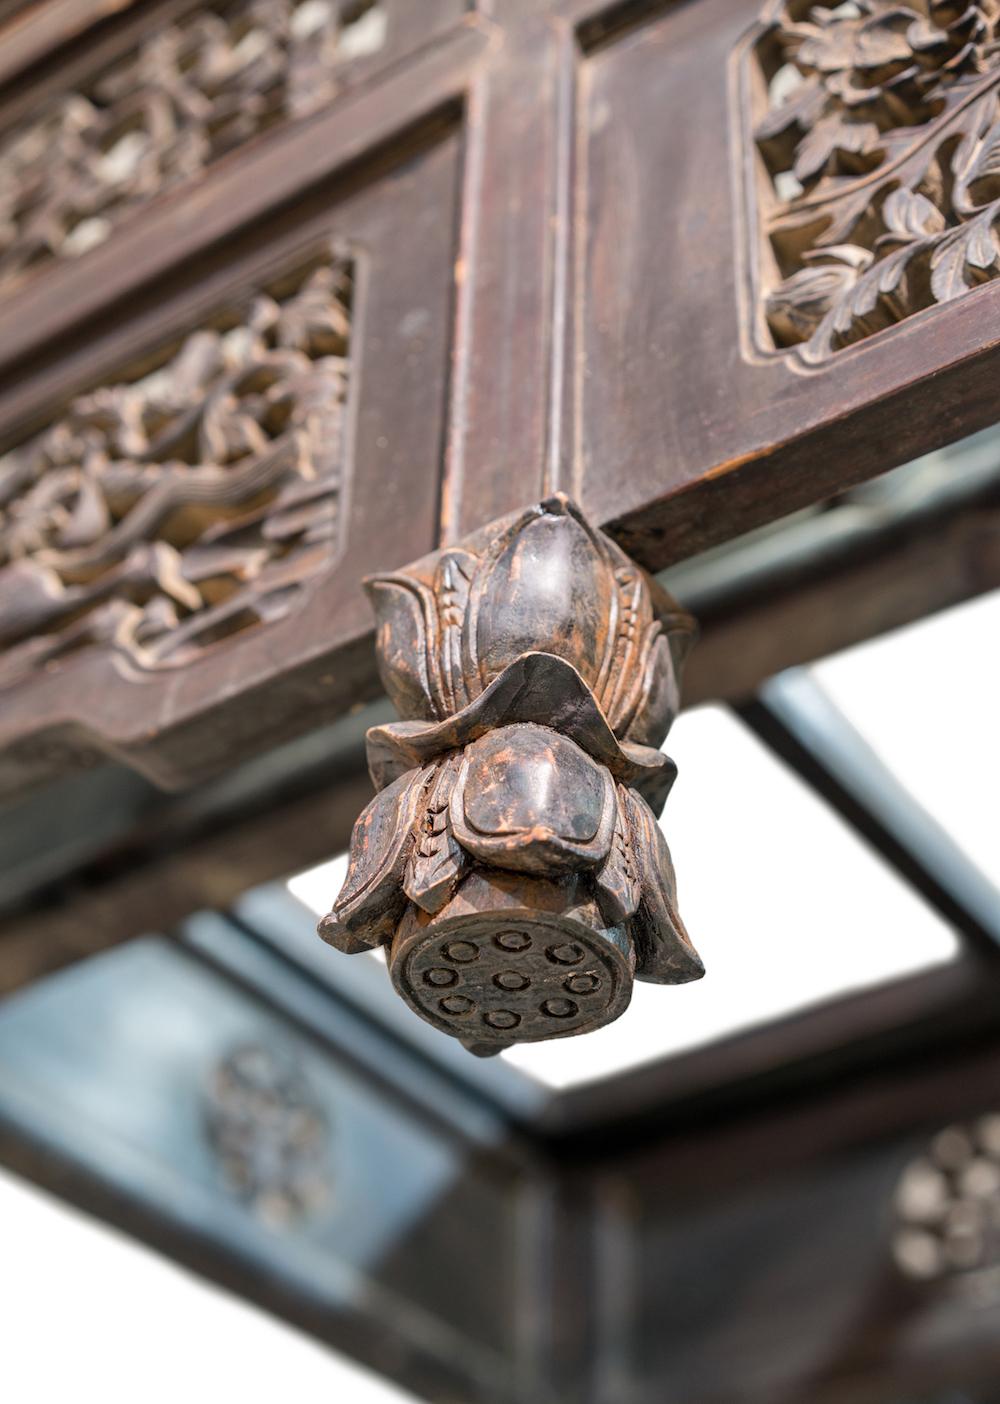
159 515
511 860
199 87
269 1134
879 140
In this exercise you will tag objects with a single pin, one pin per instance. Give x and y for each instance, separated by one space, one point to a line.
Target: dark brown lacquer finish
511 860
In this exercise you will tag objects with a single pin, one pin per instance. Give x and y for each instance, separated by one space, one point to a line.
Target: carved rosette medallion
876 130
511 860
946 1210
269 1133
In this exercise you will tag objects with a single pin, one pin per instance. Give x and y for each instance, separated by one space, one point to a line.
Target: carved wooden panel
193 85
194 492
592 325
687 217
293 1156
159 515
880 140
269 1132
783 1281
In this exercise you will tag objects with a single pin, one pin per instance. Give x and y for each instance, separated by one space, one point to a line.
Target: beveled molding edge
511 861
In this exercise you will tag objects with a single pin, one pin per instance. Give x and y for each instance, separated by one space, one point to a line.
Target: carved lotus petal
537 688
371 900
547 586
406 634
664 953
530 800
546 583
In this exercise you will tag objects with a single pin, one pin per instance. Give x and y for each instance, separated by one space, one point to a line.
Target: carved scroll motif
161 515
189 93
880 139
511 860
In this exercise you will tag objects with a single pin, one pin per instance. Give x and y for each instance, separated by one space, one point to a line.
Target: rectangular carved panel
772 308
196 485
192 85
878 128
168 510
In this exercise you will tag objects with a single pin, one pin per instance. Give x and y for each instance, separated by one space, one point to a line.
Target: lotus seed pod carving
511 860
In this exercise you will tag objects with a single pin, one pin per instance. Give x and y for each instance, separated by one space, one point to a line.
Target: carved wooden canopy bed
576 329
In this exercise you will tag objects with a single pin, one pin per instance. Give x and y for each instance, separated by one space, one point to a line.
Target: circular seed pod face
494 978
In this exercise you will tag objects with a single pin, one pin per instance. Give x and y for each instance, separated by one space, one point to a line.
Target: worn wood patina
511 860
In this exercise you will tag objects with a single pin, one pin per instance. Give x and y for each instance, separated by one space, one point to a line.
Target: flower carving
547 583
859 71
879 141
511 858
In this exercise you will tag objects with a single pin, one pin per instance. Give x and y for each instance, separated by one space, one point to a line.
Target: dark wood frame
516 78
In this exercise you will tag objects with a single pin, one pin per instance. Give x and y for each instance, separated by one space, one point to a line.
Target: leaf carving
843 218
875 301
896 148
910 215
981 181
783 126
797 308
964 258
832 136
974 123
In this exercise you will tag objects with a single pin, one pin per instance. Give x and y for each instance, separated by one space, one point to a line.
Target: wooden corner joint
511 859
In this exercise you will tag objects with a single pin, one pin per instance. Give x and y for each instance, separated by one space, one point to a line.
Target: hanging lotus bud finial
511 860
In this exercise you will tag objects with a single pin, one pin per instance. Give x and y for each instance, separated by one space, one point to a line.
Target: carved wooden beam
511 860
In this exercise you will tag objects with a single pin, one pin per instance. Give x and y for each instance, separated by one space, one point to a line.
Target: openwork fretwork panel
199 497
880 148
190 92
